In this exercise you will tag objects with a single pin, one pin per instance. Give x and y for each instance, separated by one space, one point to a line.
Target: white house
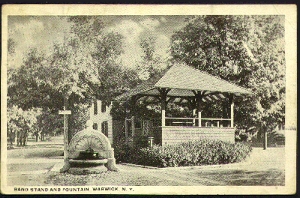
102 120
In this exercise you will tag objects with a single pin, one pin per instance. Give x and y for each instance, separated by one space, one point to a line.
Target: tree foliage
245 50
28 85
268 77
104 49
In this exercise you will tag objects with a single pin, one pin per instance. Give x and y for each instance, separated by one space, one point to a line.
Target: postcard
149 99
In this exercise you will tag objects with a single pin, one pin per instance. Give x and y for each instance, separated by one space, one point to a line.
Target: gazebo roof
183 81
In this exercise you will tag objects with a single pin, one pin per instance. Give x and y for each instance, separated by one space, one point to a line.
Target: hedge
194 153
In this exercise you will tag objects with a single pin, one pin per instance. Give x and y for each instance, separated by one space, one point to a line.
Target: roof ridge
205 72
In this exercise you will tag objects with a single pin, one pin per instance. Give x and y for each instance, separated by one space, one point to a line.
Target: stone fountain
90 147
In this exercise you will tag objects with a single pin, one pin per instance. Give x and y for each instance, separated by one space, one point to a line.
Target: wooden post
66 142
199 118
232 114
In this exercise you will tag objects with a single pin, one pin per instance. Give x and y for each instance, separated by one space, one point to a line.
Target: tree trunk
18 136
265 140
11 138
23 139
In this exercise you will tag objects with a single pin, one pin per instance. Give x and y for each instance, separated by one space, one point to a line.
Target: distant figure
22 137
12 136
42 136
36 136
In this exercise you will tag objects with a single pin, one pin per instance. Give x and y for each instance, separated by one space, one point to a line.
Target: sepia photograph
148 99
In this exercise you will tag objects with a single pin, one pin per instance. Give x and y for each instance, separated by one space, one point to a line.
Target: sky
42 31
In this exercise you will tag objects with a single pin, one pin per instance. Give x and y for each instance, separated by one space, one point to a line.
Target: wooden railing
217 122
176 121
205 122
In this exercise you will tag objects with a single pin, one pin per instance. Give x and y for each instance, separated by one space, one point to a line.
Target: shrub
121 150
194 153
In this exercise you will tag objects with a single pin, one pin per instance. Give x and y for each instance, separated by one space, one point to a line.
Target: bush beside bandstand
193 153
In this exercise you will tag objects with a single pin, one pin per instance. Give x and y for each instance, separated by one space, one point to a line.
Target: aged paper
11 12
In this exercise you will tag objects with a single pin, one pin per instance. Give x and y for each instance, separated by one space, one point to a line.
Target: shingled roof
183 80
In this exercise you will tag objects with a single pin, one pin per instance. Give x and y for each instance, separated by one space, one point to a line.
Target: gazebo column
163 100
198 96
133 104
232 114
163 109
193 105
224 113
163 113
127 110
130 116
199 113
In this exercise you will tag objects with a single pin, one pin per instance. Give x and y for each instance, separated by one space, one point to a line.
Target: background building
102 120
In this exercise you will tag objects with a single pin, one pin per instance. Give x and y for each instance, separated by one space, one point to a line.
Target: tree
20 123
151 64
214 44
50 123
245 50
105 49
13 125
82 68
268 80
148 69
